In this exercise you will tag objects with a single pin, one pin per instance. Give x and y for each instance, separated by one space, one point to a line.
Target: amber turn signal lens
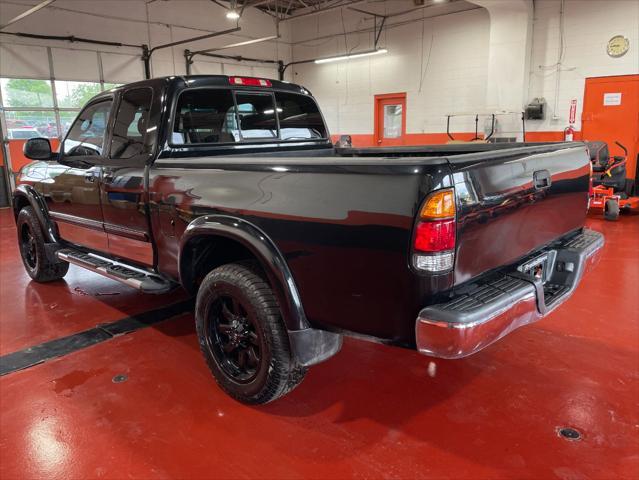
439 205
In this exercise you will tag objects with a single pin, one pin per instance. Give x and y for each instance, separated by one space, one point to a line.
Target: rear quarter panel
344 230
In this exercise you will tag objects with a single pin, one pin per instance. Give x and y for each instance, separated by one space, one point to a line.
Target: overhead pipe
146 52
70 38
188 57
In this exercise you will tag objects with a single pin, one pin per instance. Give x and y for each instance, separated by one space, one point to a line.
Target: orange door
611 113
390 119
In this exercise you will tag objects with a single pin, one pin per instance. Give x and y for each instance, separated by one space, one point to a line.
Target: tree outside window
18 92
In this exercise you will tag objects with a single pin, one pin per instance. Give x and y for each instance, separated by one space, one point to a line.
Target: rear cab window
299 117
256 115
226 116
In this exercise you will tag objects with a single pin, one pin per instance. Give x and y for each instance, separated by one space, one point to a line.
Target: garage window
24 92
30 105
75 94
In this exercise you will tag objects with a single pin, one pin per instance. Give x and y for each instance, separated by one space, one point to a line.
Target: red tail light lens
250 81
435 236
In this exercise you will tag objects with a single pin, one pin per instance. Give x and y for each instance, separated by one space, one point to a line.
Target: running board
132 276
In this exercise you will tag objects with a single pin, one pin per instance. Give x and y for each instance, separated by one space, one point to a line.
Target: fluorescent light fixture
232 15
352 55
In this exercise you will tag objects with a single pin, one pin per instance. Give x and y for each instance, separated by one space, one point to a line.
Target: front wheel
33 252
243 337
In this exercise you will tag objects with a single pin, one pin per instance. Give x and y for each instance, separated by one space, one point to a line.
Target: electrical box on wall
536 110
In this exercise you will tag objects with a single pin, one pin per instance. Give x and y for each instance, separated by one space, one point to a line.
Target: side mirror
38 149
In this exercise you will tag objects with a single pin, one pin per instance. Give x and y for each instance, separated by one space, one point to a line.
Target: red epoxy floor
371 411
34 313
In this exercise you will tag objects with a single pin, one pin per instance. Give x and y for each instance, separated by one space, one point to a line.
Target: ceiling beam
322 10
31 11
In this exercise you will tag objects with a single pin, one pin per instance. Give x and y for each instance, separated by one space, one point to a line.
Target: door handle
542 179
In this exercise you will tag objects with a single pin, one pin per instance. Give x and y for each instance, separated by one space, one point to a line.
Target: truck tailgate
514 202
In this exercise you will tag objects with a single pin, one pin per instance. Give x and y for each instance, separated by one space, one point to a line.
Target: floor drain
120 378
569 433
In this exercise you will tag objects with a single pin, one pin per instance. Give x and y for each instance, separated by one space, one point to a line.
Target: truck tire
32 250
243 337
611 209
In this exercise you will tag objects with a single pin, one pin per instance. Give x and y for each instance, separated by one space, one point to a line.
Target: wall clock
618 46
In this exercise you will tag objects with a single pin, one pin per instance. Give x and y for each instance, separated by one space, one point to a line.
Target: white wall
588 25
451 76
133 22
439 62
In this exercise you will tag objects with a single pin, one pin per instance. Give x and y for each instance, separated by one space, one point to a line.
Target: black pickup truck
230 188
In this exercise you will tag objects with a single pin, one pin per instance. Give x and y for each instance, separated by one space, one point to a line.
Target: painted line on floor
60 347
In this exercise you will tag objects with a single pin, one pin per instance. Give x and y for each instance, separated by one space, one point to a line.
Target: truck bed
343 218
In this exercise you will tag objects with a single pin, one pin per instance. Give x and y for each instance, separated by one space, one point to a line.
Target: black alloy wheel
233 339
243 336
33 249
28 246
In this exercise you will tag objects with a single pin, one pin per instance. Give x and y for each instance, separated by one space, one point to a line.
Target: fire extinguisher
569 133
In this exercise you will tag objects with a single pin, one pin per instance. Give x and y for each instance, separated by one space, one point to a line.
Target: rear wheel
611 209
243 337
32 249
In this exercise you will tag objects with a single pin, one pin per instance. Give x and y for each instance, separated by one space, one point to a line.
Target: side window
205 116
299 117
131 121
256 114
86 136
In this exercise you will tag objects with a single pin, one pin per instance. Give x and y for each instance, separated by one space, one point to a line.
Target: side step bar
132 276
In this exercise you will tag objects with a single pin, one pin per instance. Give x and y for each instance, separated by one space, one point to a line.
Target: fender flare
267 253
39 206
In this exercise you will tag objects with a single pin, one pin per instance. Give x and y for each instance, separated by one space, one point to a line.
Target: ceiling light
350 56
232 15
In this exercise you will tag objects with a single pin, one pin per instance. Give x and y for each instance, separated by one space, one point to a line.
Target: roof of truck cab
214 81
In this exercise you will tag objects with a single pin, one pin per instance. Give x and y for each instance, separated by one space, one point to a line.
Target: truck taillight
434 237
250 81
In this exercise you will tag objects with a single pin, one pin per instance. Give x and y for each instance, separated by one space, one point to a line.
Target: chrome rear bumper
483 312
